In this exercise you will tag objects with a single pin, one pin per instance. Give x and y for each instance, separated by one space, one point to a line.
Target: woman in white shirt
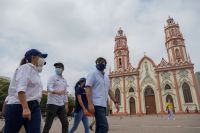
25 93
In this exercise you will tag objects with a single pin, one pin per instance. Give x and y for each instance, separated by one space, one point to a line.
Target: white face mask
58 71
40 64
39 68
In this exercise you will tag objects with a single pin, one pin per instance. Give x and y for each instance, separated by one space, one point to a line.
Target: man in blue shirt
97 91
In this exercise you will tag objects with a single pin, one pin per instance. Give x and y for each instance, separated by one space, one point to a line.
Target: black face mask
101 66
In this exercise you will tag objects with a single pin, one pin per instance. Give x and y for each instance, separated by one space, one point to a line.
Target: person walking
25 92
3 112
97 91
170 110
57 102
80 112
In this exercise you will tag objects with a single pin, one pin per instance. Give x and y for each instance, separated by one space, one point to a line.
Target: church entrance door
132 106
150 103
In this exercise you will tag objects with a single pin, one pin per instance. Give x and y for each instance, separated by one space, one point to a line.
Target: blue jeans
77 118
101 120
14 119
170 114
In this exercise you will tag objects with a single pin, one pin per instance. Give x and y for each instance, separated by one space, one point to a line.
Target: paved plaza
144 124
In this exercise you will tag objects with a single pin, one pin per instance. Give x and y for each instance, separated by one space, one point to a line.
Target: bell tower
121 52
174 43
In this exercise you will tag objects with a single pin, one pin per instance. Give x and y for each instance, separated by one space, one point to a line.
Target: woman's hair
24 61
77 86
78 83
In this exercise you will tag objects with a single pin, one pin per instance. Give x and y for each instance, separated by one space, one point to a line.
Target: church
146 88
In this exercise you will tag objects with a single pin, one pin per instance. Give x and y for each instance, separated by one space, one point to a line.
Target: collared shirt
100 85
57 82
26 79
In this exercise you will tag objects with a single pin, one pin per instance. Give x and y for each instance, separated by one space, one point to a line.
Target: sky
76 32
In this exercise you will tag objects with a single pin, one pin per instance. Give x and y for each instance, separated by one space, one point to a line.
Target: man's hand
91 108
112 96
26 113
117 107
85 112
88 91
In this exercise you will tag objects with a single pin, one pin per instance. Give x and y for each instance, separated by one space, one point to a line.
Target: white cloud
77 32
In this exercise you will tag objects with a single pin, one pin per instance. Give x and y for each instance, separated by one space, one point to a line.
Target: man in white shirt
97 91
57 103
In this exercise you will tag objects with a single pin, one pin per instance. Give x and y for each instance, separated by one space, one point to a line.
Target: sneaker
91 128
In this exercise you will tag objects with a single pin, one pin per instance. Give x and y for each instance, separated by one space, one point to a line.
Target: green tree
4 85
71 103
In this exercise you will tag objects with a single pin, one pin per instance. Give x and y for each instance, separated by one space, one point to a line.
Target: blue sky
76 32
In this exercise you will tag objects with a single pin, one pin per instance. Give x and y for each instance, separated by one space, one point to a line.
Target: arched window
120 62
187 93
117 96
131 89
172 32
177 53
149 91
167 87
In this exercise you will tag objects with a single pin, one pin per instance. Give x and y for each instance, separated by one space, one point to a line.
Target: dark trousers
52 112
101 120
14 119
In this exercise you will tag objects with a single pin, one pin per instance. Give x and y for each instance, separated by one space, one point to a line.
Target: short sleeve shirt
80 92
100 85
57 82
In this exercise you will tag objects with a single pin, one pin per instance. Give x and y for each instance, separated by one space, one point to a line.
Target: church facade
146 89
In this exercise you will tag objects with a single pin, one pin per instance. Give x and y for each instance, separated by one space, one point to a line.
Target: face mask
39 68
41 62
101 66
58 71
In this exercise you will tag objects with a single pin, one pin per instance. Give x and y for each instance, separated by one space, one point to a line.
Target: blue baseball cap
82 79
59 64
34 52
